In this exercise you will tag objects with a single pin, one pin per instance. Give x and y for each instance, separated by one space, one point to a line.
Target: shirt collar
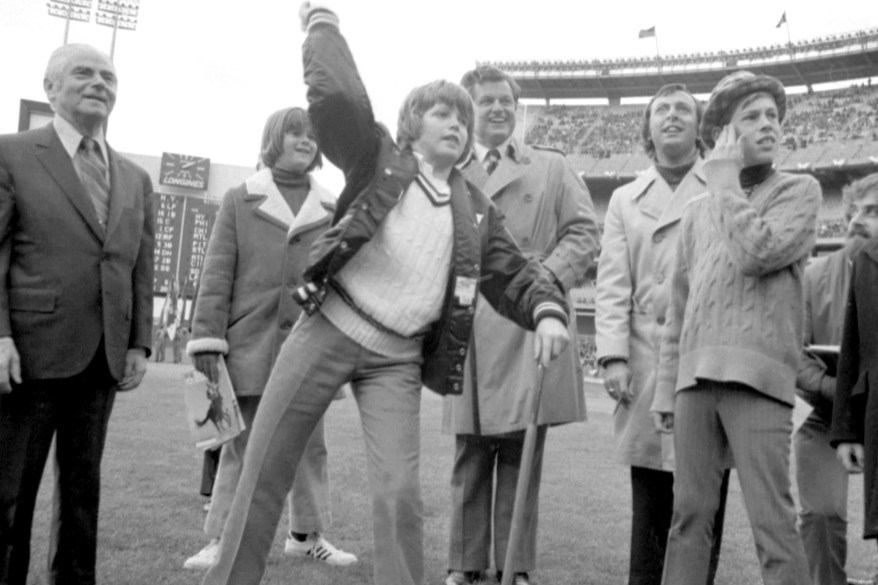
71 138
482 150
427 170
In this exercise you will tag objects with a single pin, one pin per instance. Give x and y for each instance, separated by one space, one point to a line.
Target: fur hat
729 90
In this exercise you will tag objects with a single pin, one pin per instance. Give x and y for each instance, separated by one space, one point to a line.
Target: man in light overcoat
549 212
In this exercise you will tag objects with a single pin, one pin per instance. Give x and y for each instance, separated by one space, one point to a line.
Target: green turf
151 513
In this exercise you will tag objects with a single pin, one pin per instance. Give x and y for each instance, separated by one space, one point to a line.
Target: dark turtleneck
673 176
293 186
752 176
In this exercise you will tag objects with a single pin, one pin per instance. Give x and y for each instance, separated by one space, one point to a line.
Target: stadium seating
821 129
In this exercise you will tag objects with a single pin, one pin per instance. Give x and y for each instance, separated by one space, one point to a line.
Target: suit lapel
508 170
473 171
649 198
51 154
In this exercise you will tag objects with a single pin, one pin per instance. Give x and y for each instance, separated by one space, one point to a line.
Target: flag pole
658 58
789 38
67 23
115 29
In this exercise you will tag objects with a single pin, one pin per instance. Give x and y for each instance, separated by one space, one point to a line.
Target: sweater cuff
321 15
608 359
207 345
544 310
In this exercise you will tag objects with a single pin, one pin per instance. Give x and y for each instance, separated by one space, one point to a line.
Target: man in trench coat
550 214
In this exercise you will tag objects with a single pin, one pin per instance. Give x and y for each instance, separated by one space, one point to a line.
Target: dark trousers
208 471
653 503
483 482
75 412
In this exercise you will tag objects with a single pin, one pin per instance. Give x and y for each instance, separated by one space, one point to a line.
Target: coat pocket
31 299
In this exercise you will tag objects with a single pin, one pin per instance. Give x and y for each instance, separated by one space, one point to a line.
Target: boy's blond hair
411 114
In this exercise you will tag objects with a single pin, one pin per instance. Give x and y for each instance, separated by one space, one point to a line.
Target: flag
782 20
646 33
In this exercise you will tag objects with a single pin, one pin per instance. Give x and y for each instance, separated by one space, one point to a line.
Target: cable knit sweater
398 277
736 312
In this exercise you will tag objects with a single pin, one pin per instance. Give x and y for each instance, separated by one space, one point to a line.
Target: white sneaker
205 558
320 549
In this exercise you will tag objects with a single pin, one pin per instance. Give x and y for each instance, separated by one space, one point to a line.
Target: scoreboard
182 230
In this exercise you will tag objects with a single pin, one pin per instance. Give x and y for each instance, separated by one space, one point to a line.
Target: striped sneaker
320 549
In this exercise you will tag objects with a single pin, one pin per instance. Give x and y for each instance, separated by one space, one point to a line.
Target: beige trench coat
550 214
633 286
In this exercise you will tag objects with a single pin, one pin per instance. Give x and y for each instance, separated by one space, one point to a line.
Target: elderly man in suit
76 279
549 212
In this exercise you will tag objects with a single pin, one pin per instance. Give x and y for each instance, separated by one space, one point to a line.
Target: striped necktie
493 159
93 174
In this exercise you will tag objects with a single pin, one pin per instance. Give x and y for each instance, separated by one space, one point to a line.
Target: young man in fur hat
731 347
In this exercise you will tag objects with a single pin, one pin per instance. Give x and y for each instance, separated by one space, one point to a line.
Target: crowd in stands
599 132
845 115
563 127
831 227
707 58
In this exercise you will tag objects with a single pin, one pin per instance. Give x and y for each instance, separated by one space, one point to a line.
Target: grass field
151 513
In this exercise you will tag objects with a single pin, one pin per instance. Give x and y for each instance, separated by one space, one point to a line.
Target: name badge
465 291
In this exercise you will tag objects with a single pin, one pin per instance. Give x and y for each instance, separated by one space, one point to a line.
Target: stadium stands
732 58
821 129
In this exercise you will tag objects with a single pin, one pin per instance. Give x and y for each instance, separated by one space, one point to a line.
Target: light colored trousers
483 482
315 360
713 420
823 499
308 501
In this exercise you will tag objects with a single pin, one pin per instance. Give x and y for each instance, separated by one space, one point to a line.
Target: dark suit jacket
855 412
64 284
858 358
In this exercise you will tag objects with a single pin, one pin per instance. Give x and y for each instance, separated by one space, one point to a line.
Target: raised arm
339 105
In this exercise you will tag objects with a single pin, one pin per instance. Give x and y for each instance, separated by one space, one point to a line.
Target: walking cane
527 460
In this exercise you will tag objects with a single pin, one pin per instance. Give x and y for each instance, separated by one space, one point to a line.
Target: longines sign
183 170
